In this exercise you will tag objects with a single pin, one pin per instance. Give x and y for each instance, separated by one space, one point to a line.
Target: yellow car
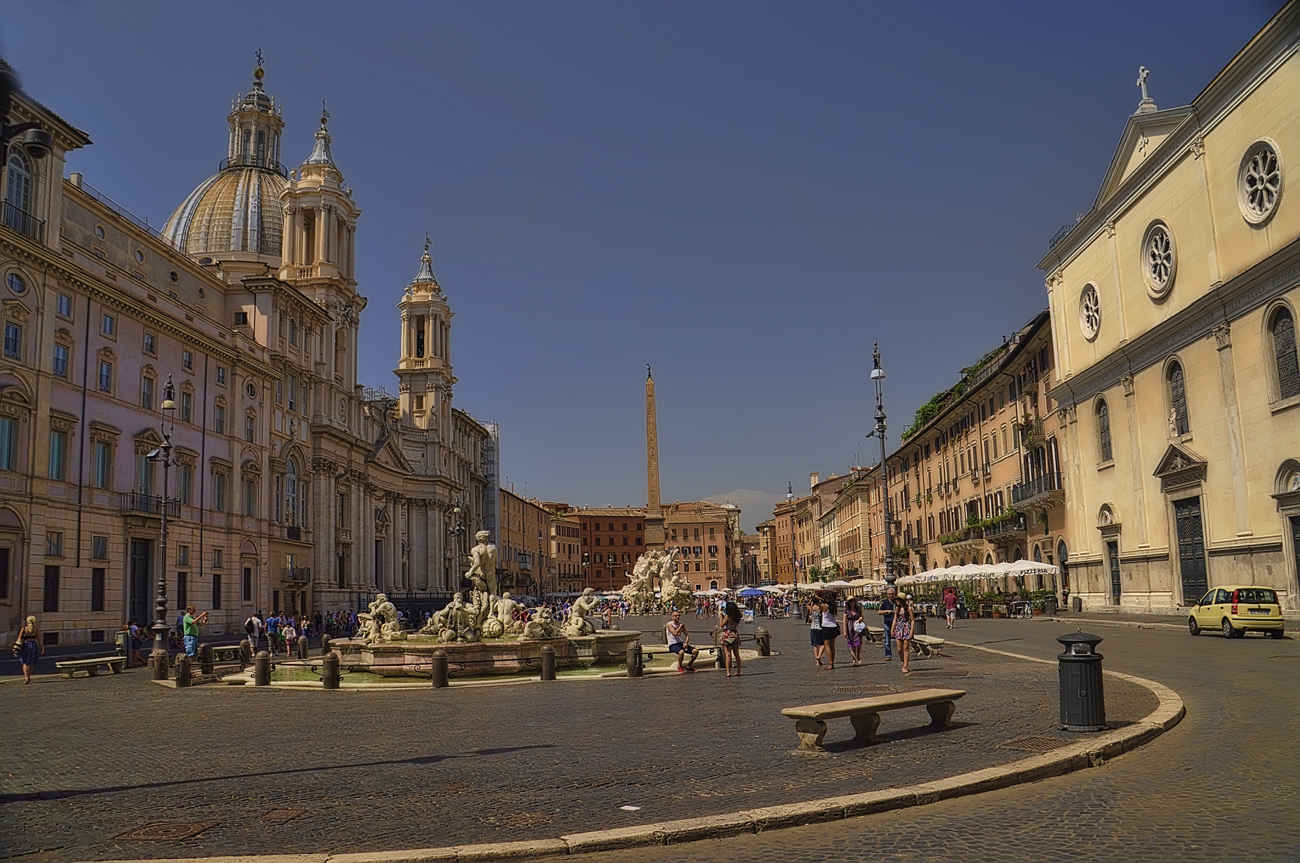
1237 610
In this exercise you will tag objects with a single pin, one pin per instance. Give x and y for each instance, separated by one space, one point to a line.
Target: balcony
249 160
975 475
345 534
1039 494
24 222
293 532
965 541
296 574
133 502
1008 528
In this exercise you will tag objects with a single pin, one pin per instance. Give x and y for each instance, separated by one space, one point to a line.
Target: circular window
16 283
99 231
139 256
1159 260
1090 312
251 389
1259 182
176 277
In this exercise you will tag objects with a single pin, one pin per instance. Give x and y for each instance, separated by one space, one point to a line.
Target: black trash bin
1083 704
1049 606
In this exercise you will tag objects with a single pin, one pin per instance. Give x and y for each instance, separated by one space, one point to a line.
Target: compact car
1236 610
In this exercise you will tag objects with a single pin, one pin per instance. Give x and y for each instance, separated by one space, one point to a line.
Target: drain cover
1035 744
279 816
862 690
169 830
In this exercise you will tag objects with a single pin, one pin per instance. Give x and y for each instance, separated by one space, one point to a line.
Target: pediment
1143 135
390 455
1180 467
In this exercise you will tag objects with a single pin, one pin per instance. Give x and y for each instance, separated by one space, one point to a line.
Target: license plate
1258 610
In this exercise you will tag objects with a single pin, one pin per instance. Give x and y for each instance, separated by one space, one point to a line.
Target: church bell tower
424 368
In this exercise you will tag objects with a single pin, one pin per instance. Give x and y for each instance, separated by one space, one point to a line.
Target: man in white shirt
679 642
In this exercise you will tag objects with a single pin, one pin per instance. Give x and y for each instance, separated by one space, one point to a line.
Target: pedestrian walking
273 632
886 611
253 630
28 647
729 641
190 624
950 608
133 635
903 622
290 635
830 628
815 632
854 628
679 644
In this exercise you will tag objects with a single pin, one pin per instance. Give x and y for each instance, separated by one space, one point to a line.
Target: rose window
1090 312
1259 182
1159 260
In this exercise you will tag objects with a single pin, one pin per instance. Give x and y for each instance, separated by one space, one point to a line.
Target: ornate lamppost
877 377
455 530
163 455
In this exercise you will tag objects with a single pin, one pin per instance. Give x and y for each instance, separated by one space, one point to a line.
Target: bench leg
865 725
811 734
941 713
92 672
115 667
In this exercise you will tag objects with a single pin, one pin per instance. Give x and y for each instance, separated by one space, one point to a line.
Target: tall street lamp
878 377
163 454
455 530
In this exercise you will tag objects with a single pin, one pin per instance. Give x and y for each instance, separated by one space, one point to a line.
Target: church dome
238 209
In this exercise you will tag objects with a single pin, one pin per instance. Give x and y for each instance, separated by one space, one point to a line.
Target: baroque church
209 372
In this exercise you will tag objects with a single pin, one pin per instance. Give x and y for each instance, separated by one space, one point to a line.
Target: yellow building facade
1174 304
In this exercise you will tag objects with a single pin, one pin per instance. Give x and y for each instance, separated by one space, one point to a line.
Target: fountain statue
542 624
640 591
581 615
380 623
674 590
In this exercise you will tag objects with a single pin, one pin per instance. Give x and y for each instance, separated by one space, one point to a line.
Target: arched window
293 332
1284 354
261 147
18 181
291 493
1178 399
1103 430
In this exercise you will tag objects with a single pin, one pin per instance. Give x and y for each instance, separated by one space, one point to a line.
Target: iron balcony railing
151 504
1048 482
297 574
1006 526
24 222
249 160
293 532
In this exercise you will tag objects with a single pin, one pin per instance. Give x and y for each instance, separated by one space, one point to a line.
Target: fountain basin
414 656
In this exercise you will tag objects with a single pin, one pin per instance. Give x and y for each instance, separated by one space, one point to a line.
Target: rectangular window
216 591
187 407
248 584
219 492
4 572
58 455
185 484
61 361
216 558
219 419
182 590
250 498
8 442
150 344
50 602
279 392
293 392
97 588
65 305
54 543
187 360
105 377
249 428
146 393
103 458
221 375
240 319
108 325
99 548
13 341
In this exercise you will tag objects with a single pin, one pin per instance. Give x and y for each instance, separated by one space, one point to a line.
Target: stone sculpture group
674 590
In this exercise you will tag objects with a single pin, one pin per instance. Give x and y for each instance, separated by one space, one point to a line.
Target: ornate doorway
1191 548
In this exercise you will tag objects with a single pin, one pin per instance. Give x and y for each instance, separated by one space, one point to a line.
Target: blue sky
744 194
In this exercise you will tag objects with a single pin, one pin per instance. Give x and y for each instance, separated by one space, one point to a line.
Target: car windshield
1257 595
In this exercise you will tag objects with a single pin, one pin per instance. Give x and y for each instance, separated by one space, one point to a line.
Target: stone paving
1221 785
291 771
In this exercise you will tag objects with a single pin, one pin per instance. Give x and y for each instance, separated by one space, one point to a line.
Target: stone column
654 519
1236 452
1136 470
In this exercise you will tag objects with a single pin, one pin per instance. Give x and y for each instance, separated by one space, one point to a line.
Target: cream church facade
1174 304
294 486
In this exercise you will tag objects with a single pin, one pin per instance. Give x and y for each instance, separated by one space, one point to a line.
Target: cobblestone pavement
285 771
1220 785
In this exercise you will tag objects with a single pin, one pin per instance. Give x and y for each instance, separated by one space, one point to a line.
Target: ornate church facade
290 485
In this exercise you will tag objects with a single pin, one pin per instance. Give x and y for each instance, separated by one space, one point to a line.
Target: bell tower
424 368
317 255
256 123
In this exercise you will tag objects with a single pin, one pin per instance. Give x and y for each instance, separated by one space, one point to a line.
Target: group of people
825 627
281 631
679 639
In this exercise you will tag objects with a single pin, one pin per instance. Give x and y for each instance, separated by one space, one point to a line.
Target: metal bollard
635 667
245 654
159 664
303 647
183 670
330 671
438 669
763 641
548 662
1083 705
206 663
262 669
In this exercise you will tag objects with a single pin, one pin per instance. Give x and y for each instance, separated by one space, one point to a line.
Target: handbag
859 626
730 638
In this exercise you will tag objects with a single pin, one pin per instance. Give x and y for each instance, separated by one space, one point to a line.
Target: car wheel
1228 631
1276 633
1192 627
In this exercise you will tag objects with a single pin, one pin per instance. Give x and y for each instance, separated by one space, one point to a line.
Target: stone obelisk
654 517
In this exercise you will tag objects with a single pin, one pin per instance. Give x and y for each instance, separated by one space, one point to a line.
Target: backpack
249 627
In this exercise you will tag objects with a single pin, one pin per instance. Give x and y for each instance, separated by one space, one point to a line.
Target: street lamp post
455 531
163 454
878 376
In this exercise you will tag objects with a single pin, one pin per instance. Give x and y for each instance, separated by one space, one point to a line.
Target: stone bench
864 713
224 652
927 646
91 666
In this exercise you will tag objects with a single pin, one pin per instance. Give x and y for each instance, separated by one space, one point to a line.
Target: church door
1191 548
1112 560
138 601
1295 542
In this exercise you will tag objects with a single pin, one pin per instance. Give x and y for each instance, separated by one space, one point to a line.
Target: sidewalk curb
1093 752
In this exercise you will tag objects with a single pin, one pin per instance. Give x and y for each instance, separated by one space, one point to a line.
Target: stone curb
1092 752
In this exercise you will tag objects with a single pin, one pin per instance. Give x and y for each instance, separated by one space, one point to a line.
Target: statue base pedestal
414 657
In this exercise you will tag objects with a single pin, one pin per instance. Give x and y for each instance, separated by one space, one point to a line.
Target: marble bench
91 666
864 713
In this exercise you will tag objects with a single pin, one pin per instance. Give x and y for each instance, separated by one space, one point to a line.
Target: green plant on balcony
950 538
901 551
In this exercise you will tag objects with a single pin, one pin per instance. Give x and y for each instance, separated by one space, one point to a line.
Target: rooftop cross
1147 105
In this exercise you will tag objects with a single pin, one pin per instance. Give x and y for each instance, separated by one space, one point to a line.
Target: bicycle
1025 611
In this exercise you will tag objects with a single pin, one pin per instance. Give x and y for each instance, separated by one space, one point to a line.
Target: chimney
812 479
